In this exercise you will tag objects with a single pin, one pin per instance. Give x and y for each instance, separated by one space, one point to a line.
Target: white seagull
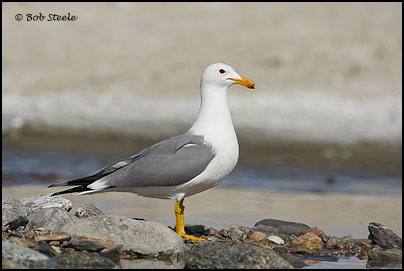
182 165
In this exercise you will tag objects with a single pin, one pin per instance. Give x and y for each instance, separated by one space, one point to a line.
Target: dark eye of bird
222 71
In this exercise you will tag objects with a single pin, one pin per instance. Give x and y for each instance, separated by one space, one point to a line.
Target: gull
183 165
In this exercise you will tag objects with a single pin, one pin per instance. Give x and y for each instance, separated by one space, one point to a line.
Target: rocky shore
43 232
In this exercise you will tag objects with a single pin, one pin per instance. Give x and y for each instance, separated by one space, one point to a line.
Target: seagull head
223 75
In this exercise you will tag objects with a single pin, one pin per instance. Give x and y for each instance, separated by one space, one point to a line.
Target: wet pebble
319 233
276 239
84 245
235 232
280 227
103 241
309 241
257 237
54 236
212 232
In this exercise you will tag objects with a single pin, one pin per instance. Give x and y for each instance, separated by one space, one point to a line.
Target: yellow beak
244 82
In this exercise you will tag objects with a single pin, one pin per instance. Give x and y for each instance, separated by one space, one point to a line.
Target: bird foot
193 238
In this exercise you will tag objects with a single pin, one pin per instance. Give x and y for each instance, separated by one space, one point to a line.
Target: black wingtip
80 188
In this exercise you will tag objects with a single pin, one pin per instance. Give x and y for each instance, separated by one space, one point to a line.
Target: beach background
320 138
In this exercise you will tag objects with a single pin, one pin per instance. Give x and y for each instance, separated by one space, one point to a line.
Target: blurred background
326 116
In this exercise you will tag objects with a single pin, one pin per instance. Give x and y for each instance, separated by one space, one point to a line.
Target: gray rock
50 218
388 255
44 201
17 257
86 245
87 211
383 236
82 260
113 253
277 227
332 243
46 249
145 237
13 214
229 255
235 232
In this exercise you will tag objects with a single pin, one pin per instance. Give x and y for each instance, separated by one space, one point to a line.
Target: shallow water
39 167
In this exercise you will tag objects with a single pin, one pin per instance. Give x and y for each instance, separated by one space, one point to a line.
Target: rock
13 214
383 236
381 255
347 243
362 256
212 232
57 249
235 232
50 218
46 250
87 211
309 241
229 255
54 243
145 237
17 257
361 242
362 246
171 256
84 245
319 233
333 243
347 240
257 237
44 201
276 239
55 236
29 234
113 253
277 227
81 260
103 241
195 230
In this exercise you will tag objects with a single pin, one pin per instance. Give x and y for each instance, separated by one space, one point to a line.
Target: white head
223 76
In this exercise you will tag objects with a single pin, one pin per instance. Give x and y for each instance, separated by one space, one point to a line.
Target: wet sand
336 214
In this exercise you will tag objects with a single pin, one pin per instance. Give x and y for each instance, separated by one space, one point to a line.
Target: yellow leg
179 221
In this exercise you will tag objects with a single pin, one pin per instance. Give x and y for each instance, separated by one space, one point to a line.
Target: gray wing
173 161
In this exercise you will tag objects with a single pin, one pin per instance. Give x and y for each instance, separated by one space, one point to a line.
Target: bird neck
214 117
